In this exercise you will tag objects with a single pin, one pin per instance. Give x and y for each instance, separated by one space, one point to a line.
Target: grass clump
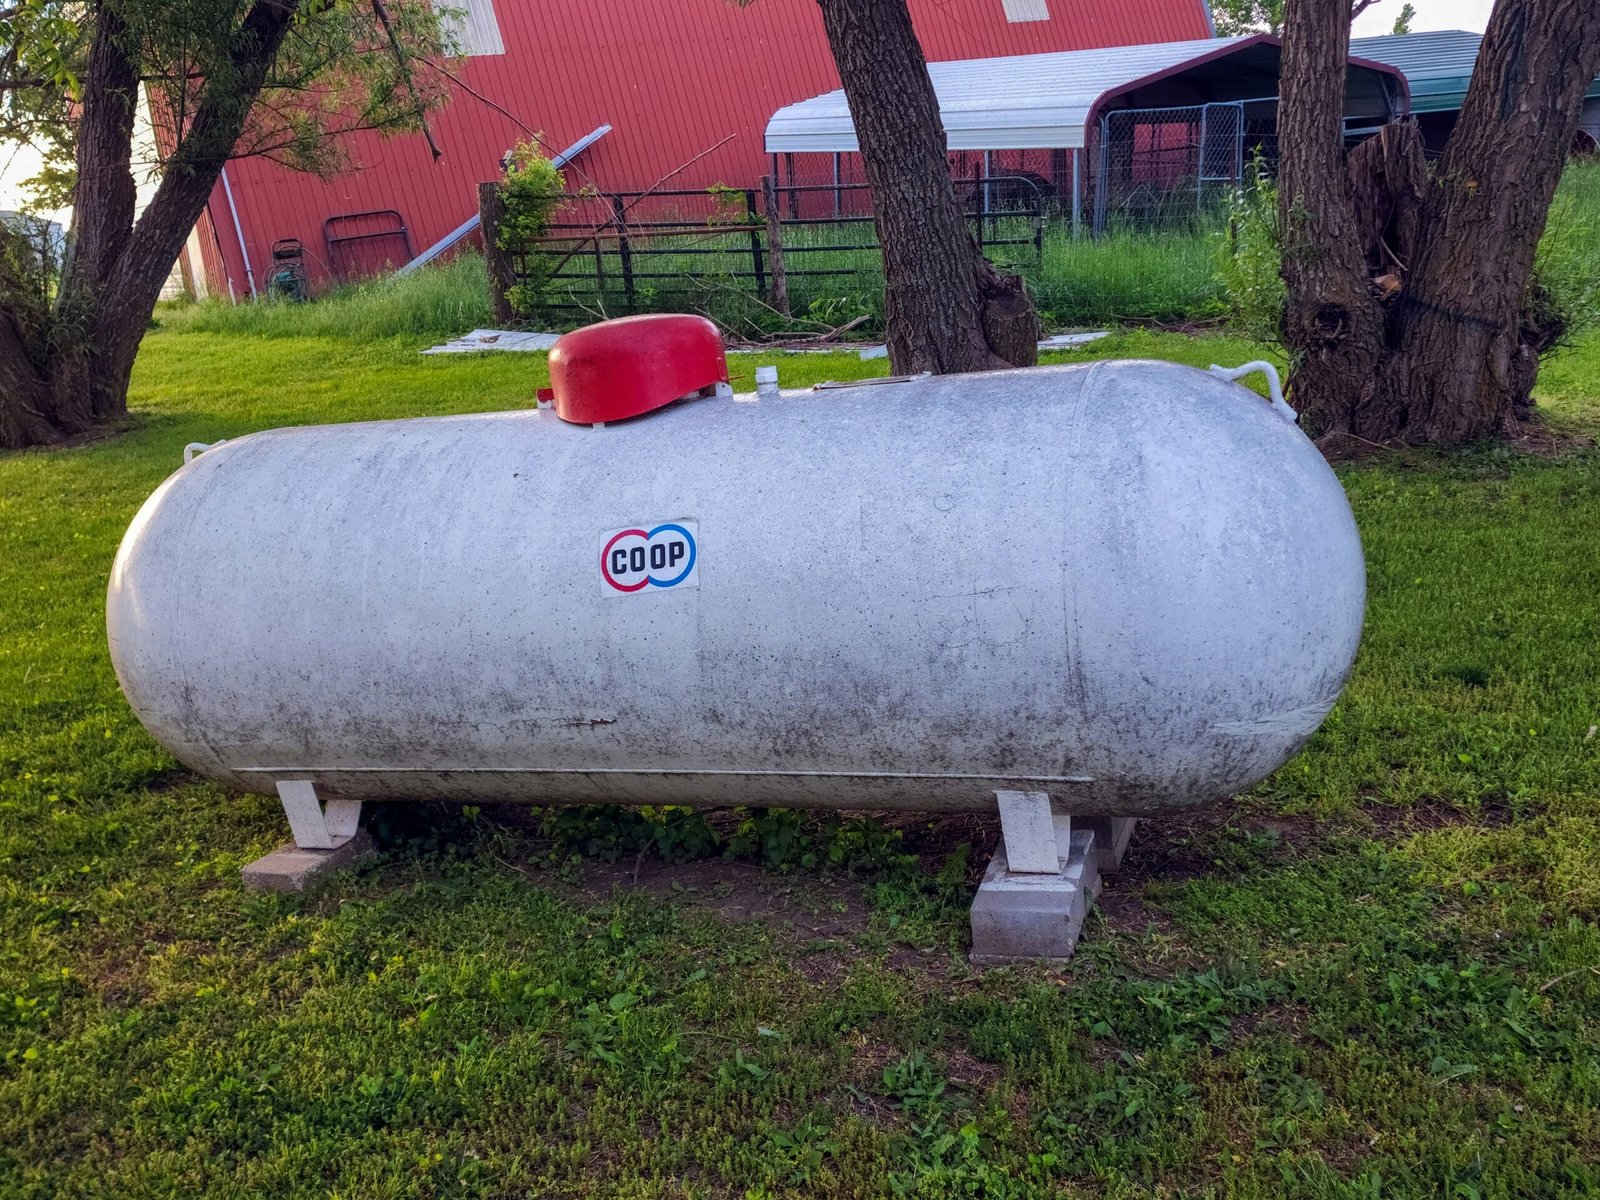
1127 276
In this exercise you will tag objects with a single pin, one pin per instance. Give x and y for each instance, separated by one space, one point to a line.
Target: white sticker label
648 558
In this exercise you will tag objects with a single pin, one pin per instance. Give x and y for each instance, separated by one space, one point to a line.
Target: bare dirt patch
807 906
1396 822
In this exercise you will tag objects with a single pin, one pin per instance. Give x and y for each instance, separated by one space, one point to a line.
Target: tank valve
1274 385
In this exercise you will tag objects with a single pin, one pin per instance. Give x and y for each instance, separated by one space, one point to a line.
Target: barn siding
672 77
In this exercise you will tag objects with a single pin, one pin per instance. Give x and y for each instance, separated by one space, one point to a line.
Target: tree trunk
1466 335
64 371
80 393
1332 323
1412 312
947 309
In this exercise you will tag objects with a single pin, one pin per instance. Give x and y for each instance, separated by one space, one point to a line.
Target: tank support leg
326 837
1111 838
1037 834
313 827
1039 886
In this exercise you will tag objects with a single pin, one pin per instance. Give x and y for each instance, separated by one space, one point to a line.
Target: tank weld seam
654 771
1300 721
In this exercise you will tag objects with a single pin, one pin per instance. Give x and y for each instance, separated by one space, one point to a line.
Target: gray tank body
1132 585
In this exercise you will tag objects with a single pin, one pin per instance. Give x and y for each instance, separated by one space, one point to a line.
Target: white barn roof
1035 101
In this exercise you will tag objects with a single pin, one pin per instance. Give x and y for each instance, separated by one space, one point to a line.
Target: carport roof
1438 65
1032 101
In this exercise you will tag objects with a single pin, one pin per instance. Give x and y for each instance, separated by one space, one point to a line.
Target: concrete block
1031 918
1111 838
292 869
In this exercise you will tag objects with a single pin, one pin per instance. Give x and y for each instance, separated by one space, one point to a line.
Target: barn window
1026 10
472 25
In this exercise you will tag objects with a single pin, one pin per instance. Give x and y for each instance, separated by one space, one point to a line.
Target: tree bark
1332 323
66 370
102 217
947 309
1412 314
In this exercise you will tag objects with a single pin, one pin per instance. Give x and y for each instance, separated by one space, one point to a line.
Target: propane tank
1133 585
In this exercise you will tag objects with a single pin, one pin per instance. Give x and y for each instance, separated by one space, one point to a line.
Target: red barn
673 79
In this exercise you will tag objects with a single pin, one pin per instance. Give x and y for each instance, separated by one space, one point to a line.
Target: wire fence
1159 168
801 249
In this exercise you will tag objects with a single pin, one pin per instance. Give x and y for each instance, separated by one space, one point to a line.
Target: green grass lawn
1377 975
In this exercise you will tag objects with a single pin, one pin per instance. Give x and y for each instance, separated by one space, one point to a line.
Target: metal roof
1438 65
1046 101
1024 102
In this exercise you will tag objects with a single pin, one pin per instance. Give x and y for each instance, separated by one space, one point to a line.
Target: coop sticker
645 558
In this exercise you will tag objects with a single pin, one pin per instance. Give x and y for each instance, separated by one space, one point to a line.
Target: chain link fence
1164 168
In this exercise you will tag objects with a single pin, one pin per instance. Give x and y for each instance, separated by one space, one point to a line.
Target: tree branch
405 73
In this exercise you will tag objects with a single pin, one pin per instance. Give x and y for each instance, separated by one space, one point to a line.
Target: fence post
780 277
1077 194
751 217
491 210
1102 180
624 249
979 189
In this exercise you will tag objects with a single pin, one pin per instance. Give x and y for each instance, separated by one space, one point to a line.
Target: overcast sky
1431 14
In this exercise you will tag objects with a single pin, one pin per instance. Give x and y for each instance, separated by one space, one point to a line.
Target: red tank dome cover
622 368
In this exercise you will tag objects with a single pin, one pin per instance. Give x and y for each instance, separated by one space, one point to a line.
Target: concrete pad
1066 341
495 339
291 869
1034 918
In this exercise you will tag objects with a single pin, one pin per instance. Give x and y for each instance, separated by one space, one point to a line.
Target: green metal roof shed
1437 65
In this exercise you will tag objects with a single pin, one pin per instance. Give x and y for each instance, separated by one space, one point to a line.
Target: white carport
1057 102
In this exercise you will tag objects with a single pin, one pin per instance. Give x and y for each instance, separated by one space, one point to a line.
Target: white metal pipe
238 232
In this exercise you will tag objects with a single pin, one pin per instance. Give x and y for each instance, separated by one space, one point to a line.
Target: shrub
532 191
1250 257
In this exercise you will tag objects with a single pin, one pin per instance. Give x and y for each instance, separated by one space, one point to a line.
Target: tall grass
1124 277
440 301
1127 276
1569 255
